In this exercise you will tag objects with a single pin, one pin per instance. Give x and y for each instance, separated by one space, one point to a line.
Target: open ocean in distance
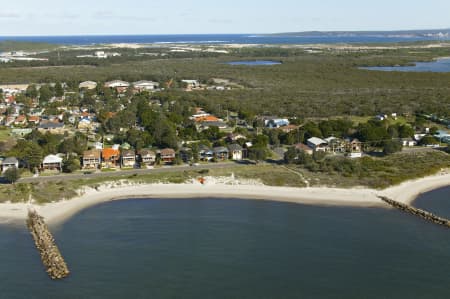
211 39
222 248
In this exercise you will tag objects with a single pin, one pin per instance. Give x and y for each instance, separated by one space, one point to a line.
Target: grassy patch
4 133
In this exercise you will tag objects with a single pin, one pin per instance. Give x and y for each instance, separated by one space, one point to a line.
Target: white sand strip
59 211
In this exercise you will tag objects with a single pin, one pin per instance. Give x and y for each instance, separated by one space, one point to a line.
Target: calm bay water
441 65
211 39
218 248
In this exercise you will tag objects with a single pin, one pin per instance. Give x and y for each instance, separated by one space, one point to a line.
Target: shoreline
58 212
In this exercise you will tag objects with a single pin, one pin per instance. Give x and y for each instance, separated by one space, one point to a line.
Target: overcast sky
78 17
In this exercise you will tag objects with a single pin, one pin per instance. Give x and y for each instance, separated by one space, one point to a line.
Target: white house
236 152
52 162
409 142
87 85
317 144
9 163
191 84
145 85
116 83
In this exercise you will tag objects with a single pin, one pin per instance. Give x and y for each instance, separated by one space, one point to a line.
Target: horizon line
242 33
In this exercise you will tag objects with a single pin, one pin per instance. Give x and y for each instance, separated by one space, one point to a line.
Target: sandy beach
362 197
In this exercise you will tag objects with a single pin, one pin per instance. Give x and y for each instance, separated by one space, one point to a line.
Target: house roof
128 153
117 83
20 118
303 147
107 153
50 159
33 118
147 152
92 154
220 149
145 83
218 124
316 141
167 152
234 147
51 125
10 161
207 118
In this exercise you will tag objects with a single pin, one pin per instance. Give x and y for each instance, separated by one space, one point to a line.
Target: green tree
291 155
31 91
391 146
12 175
59 91
45 94
71 164
257 153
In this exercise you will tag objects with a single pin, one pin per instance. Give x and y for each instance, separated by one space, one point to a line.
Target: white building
317 144
87 85
191 84
145 85
52 162
116 83
9 163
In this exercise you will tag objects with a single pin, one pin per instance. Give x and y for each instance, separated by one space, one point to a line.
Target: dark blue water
437 66
234 249
211 39
254 62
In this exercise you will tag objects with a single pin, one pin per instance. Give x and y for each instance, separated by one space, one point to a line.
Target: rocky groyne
415 211
45 243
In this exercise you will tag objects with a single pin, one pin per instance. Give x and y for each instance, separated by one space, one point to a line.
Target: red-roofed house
110 157
21 120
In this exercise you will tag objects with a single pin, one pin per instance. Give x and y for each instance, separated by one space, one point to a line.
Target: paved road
78 176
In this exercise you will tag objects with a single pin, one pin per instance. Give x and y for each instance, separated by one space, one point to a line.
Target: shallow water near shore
218 248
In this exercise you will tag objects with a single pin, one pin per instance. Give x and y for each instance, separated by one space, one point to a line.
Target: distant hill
432 33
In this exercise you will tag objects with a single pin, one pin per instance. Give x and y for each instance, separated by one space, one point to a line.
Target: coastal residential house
205 153
147 156
92 159
52 162
87 85
317 144
191 84
128 158
221 153
408 142
116 84
9 162
305 148
167 155
20 120
336 145
145 85
276 122
354 149
236 152
34 120
208 124
52 127
110 157
289 128
186 154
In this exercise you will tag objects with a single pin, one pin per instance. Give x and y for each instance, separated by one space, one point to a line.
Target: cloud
9 15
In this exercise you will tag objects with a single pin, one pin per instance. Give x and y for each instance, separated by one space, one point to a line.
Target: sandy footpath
60 211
